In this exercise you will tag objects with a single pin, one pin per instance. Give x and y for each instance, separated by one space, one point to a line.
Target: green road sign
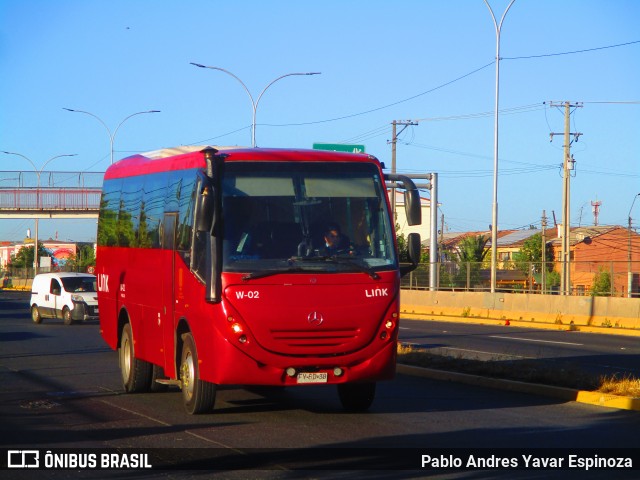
339 147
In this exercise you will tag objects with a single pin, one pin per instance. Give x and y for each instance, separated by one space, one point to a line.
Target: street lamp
254 104
111 135
494 215
38 173
629 272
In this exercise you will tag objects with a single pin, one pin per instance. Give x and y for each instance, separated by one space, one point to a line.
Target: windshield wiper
268 273
342 260
297 268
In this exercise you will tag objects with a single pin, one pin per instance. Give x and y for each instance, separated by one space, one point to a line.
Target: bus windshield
305 216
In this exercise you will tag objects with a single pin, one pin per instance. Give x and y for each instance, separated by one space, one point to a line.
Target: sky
425 62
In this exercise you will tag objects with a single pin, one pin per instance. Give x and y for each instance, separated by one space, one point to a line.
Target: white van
69 296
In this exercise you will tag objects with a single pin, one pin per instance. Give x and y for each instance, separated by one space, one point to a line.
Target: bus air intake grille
315 338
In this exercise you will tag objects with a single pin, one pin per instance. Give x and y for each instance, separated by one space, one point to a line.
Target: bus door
168 292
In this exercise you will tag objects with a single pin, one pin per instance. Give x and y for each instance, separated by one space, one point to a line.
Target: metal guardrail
49 199
27 193
19 179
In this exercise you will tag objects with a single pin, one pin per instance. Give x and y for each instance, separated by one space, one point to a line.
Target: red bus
251 267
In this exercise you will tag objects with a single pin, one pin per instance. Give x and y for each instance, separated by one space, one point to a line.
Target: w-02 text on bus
251 267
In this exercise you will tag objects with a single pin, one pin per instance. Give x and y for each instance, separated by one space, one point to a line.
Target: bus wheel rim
188 375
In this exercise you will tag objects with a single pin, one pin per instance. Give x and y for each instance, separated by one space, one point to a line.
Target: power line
572 52
374 133
506 111
384 106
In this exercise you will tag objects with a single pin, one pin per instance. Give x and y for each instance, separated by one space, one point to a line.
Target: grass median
542 371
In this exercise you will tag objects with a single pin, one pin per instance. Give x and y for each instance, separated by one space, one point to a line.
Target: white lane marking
485 353
532 340
412 344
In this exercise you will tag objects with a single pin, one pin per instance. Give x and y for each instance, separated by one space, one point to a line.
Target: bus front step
166 381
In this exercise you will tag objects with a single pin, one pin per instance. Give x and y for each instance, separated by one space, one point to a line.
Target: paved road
607 355
61 389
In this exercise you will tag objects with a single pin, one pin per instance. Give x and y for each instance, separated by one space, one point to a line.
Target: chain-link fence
602 278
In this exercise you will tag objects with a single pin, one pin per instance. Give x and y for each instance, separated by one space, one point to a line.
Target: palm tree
471 253
473 249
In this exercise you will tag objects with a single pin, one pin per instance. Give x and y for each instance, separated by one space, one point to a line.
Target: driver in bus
335 241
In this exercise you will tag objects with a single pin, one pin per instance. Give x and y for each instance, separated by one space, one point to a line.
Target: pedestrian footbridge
50 194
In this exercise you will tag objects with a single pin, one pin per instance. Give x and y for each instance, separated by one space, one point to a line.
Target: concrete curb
566 394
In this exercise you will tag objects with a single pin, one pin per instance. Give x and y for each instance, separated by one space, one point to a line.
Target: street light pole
629 270
38 173
494 210
254 104
111 135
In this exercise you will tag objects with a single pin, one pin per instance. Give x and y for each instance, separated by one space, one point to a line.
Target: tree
86 257
24 257
601 284
471 252
530 254
473 249
403 247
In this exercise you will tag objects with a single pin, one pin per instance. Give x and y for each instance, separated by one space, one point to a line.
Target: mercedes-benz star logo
315 318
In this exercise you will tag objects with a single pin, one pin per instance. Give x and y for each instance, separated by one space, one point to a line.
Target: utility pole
543 273
629 271
568 166
394 140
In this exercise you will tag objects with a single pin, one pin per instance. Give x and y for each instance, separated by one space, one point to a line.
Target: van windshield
79 284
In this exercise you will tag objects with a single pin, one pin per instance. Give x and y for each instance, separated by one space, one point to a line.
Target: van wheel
198 396
66 316
356 397
136 374
35 314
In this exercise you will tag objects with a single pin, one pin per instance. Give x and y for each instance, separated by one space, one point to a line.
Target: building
594 251
614 250
424 229
61 251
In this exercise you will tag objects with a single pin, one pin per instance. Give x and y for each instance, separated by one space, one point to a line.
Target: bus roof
187 157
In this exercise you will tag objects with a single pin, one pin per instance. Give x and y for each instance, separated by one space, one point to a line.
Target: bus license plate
312 377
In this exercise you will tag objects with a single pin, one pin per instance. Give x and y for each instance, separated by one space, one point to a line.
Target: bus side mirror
414 251
413 207
204 209
413 246
412 202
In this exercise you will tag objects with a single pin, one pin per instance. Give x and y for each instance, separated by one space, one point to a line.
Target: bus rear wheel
136 374
356 397
198 396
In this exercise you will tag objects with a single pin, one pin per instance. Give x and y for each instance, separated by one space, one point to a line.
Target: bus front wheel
356 397
198 396
136 374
